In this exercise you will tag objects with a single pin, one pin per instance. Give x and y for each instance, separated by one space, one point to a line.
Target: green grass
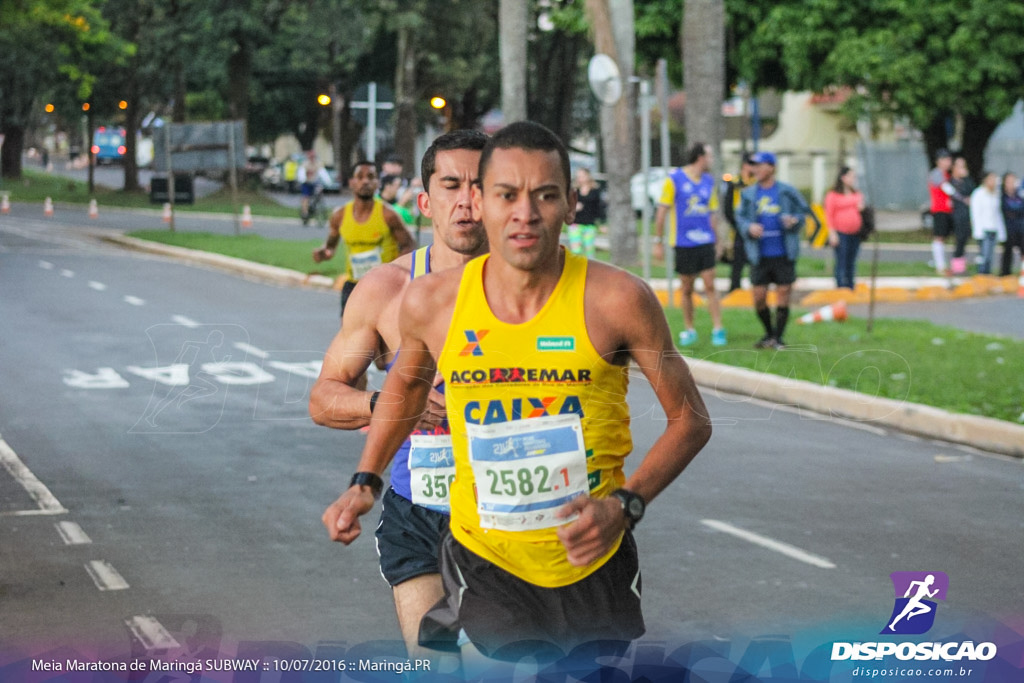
35 187
900 359
291 254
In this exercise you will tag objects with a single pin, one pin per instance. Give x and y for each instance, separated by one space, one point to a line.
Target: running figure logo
914 612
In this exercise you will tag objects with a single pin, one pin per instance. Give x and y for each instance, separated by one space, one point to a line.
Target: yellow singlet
510 379
366 244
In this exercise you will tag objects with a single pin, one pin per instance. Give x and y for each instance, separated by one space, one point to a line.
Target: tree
44 44
514 18
703 50
926 60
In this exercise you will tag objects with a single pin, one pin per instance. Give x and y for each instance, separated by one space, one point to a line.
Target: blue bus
108 145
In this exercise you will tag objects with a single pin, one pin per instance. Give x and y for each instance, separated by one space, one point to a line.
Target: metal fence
894 175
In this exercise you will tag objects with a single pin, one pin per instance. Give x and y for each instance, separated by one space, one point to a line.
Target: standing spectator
843 204
389 188
1013 219
963 186
730 202
987 219
590 211
689 201
771 217
941 208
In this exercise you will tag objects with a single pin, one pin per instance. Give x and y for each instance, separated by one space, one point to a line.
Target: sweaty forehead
456 163
518 167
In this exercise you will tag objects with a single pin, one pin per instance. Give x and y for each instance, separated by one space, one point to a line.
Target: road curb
228 263
985 433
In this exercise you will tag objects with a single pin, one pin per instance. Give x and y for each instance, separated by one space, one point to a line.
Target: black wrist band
373 401
370 479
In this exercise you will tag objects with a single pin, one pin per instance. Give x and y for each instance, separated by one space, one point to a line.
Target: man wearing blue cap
770 215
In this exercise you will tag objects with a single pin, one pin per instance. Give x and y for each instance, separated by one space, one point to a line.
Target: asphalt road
167 484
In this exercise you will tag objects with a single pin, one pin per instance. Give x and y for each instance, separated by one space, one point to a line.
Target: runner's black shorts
507 618
695 260
346 291
942 224
777 270
408 538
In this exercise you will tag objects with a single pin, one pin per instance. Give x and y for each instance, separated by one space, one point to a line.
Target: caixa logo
913 613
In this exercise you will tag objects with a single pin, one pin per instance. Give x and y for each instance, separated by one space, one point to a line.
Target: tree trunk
618 138
405 99
978 128
239 75
936 136
513 20
10 152
131 129
703 52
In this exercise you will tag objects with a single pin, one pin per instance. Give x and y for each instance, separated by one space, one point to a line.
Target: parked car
656 181
108 145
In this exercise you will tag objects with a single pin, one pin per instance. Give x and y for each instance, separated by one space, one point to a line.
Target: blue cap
764 158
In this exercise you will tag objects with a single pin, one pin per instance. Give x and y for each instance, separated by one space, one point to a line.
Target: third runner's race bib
363 261
431 470
525 470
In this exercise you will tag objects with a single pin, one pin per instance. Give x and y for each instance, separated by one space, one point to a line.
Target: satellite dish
605 82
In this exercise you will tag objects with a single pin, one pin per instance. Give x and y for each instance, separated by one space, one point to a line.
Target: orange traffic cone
5 204
167 213
48 207
836 311
246 217
94 209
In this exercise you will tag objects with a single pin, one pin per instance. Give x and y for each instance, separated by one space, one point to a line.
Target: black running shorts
408 538
695 260
777 270
942 224
507 618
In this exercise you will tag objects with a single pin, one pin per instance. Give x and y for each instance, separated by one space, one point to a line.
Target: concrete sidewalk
987 434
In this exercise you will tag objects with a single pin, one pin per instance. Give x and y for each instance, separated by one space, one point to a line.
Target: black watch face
635 507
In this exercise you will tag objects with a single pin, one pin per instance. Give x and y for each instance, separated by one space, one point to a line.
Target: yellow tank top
366 244
500 376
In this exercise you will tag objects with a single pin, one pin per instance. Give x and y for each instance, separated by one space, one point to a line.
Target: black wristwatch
370 479
633 505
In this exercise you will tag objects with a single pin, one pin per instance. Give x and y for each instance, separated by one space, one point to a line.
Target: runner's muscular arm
333 237
645 336
334 400
399 231
402 399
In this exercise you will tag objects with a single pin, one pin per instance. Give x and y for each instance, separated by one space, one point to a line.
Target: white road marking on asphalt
765 542
72 534
251 350
105 576
134 300
98 286
185 322
48 503
151 633
67 273
46 265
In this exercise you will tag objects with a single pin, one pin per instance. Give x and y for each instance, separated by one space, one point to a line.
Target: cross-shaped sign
371 105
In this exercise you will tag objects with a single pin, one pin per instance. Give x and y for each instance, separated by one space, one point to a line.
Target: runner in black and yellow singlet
373 233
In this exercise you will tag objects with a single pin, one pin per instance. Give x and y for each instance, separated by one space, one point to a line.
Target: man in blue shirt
770 215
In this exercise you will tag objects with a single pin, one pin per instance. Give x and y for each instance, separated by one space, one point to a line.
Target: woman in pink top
843 204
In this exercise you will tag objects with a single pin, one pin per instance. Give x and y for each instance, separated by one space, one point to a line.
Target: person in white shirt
987 224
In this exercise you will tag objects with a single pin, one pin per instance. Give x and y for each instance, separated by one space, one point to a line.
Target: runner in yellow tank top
502 328
373 233
496 373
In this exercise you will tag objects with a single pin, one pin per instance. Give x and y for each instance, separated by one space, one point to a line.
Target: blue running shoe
718 337
688 337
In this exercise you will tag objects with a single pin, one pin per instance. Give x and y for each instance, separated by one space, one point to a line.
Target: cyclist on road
312 178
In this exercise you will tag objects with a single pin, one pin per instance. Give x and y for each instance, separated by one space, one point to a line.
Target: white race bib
526 470
431 470
363 261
